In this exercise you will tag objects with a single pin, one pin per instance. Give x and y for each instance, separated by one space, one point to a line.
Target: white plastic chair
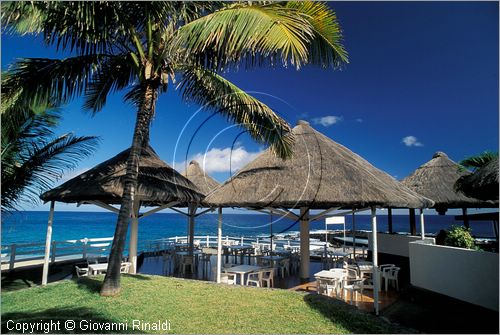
228 278
254 278
284 266
391 274
81 272
267 276
352 283
326 286
125 267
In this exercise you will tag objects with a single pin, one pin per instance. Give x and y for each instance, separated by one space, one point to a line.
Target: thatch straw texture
482 184
158 183
202 181
321 174
436 179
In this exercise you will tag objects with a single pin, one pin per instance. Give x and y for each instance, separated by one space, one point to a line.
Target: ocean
26 227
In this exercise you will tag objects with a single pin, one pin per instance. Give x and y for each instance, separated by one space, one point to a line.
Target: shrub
459 236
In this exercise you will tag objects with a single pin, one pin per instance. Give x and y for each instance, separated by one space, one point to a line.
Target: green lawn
189 306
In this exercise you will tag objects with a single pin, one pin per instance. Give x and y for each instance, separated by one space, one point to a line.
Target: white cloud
327 121
411 141
359 120
223 159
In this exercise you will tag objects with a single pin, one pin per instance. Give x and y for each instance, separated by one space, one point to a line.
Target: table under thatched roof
202 181
436 180
158 183
321 174
482 184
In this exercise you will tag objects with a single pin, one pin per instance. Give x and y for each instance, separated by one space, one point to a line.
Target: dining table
242 250
334 276
242 270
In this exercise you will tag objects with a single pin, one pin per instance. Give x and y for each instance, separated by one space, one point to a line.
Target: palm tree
143 47
32 157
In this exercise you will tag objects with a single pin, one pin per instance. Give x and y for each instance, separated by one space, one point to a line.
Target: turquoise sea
21 227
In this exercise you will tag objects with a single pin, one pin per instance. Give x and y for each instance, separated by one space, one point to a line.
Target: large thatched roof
436 179
158 183
482 184
202 181
321 174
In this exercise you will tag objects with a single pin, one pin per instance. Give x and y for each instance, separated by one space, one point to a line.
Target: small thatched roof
436 179
321 174
202 181
158 183
482 184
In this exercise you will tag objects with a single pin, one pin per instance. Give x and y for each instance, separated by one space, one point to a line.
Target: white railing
59 251
100 247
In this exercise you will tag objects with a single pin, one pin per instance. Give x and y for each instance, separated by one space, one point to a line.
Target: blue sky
423 77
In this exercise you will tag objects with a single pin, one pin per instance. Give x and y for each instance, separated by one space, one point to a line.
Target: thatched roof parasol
202 181
436 179
482 184
321 174
158 183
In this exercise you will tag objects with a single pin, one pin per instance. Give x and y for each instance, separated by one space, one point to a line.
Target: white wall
395 244
467 275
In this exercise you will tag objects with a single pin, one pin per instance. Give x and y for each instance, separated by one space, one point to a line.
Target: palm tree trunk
111 285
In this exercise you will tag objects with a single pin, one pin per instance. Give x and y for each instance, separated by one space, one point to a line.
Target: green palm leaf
39 80
256 32
32 159
326 47
477 161
213 92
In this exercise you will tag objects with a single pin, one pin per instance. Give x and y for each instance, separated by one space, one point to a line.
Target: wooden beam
157 209
103 205
323 213
211 209
179 211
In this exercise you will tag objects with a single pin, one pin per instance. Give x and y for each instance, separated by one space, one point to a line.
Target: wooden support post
191 214
389 220
413 225
53 251
354 234
304 243
48 238
219 245
466 218
375 278
12 256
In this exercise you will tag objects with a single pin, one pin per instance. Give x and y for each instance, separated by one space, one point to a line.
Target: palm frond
252 31
39 80
477 161
213 92
114 73
87 27
44 164
326 48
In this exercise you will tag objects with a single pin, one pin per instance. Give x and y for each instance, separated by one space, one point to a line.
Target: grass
189 306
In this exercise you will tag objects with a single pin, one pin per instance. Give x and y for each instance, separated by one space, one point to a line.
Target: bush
460 237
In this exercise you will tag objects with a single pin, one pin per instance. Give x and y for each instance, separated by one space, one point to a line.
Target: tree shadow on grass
86 320
349 317
93 284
